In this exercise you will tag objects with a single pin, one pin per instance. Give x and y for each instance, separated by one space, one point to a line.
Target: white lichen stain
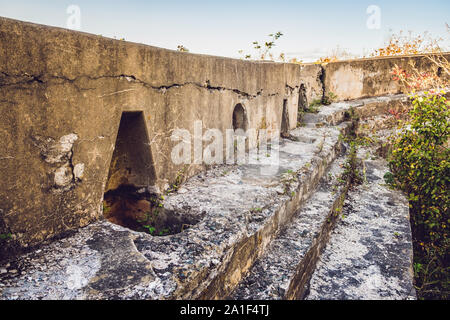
63 176
75 279
78 171
60 151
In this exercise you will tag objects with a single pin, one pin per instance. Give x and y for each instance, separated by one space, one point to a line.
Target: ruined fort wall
372 77
63 95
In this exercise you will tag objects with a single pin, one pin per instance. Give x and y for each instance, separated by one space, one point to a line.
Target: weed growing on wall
182 48
264 51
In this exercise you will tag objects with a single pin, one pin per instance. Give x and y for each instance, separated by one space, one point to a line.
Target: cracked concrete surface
362 108
9 80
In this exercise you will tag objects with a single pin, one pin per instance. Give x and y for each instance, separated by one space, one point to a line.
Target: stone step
286 267
369 254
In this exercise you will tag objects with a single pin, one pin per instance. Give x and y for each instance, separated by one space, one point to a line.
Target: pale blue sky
311 28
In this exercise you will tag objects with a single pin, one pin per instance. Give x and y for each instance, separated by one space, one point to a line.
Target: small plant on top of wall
182 48
264 51
420 166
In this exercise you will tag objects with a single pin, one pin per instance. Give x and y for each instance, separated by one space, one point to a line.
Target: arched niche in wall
240 120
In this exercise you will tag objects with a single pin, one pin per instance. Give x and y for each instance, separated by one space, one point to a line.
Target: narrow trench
130 199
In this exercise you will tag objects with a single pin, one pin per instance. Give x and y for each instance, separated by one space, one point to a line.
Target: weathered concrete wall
63 94
372 77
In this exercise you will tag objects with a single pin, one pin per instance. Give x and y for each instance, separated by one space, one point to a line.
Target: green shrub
420 163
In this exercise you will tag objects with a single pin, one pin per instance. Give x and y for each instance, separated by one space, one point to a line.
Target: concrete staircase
258 232
287 265
369 253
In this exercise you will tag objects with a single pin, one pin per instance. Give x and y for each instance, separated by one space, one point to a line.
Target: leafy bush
420 163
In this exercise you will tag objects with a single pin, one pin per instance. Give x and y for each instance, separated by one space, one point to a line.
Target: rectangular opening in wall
130 199
131 172
132 162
